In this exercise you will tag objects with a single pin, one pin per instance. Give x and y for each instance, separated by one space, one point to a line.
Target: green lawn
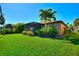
20 45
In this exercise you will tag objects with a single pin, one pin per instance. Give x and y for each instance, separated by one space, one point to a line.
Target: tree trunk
45 24
46 27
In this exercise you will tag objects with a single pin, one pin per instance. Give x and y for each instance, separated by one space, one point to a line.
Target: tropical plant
51 14
46 15
2 20
76 22
48 32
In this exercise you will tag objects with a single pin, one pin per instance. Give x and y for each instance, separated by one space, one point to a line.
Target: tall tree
76 22
19 27
2 20
43 15
46 15
51 14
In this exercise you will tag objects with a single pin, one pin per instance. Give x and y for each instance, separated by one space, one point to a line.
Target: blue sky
28 12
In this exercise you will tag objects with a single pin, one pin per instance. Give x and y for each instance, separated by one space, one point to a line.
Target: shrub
42 32
47 32
6 31
77 31
24 32
19 27
68 31
14 30
9 31
30 33
73 38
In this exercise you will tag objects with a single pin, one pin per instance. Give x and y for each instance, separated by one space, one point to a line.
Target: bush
14 30
48 32
73 38
24 32
77 31
30 33
9 31
19 27
6 31
68 31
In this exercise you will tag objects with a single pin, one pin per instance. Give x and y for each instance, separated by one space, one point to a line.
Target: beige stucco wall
63 28
59 27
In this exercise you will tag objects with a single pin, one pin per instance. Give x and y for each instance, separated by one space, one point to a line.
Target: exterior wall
63 27
60 27
57 26
32 27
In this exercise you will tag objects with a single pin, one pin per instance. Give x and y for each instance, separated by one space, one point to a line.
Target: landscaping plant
47 32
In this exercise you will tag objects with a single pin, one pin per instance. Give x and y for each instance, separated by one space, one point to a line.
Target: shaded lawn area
21 45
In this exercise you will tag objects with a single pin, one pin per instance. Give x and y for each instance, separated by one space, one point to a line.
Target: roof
33 24
55 22
36 23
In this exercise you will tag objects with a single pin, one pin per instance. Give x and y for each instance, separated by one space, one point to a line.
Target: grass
20 45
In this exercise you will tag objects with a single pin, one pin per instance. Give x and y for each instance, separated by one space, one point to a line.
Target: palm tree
46 15
51 14
43 15
2 20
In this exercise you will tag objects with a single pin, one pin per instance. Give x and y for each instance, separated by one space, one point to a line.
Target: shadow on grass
75 41
73 38
47 37
2 36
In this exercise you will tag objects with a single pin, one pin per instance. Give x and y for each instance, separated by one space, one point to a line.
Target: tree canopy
47 15
2 20
76 22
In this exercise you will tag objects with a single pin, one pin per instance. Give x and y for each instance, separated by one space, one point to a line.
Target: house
33 26
60 26
8 26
